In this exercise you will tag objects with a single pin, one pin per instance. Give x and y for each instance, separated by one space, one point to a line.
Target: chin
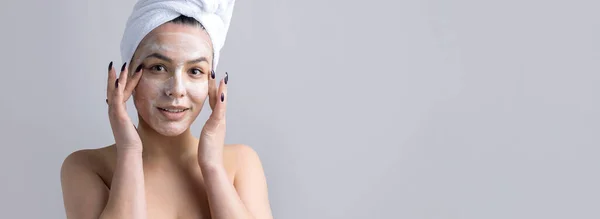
170 129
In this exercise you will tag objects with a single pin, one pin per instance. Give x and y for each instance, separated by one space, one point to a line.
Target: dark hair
185 20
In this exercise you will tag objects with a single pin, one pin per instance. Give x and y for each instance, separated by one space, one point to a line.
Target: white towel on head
214 15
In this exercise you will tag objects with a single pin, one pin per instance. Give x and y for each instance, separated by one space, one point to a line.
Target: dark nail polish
123 67
222 97
110 66
212 74
107 101
117 83
226 77
138 69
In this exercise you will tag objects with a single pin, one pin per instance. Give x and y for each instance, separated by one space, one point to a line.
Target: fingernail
226 77
123 67
222 97
110 66
117 83
138 69
212 74
106 100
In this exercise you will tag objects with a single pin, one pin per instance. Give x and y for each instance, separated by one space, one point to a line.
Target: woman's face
177 60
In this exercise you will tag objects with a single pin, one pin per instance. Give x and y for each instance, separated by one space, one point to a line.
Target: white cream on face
185 45
182 43
181 47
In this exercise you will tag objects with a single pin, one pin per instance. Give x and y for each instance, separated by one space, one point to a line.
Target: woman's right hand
118 92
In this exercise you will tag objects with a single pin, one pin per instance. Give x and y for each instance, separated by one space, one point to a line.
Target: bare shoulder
87 160
250 181
240 153
241 157
239 149
85 192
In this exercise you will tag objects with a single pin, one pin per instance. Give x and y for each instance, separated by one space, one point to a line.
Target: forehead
177 35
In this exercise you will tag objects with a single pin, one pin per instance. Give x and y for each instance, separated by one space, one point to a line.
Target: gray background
358 109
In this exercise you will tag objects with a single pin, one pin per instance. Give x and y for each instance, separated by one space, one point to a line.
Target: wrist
128 151
211 166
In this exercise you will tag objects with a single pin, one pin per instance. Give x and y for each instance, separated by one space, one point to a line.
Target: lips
173 110
173 113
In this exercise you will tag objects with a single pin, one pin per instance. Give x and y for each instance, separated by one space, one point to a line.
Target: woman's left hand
212 138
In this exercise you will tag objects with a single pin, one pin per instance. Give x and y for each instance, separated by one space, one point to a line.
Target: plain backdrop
358 109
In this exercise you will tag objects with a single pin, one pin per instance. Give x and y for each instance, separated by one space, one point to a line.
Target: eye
157 68
196 71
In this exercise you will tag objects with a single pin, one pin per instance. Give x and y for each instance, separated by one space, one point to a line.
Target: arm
127 198
86 196
250 201
248 198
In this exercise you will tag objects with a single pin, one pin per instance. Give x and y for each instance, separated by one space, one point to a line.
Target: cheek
198 91
146 93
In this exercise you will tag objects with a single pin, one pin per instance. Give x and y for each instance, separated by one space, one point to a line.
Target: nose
176 88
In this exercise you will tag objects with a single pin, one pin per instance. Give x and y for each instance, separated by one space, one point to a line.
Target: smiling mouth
173 110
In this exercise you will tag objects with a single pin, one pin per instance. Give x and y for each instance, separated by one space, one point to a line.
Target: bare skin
161 170
174 187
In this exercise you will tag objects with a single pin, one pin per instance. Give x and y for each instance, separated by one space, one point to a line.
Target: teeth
173 110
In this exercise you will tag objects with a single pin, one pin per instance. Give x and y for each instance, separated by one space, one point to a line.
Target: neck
159 147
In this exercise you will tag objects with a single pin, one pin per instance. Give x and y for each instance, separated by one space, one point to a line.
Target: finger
122 77
216 122
110 81
121 81
132 83
221 105
212 90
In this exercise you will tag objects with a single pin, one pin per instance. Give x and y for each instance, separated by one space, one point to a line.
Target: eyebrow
201 59
161 56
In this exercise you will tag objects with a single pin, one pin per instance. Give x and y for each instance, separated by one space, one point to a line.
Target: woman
159 169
